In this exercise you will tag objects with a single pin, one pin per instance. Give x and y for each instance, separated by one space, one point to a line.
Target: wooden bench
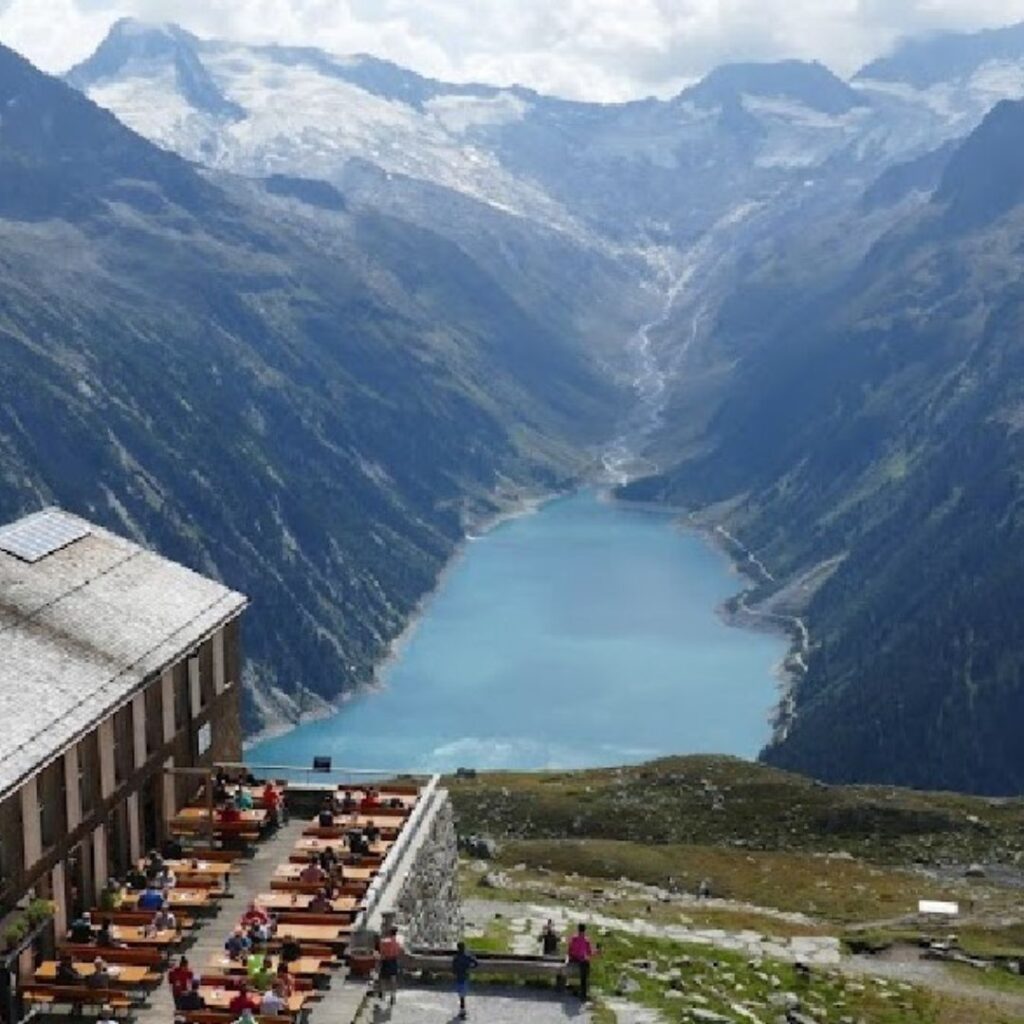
222 1016
357 889
140 918
74 995
140 956
333 918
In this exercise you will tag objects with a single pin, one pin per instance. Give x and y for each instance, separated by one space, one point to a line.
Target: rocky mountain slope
307 400
876 428
726 252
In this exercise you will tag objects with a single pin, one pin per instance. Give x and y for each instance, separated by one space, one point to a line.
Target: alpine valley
303 320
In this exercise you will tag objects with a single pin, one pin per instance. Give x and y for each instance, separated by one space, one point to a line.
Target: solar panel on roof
42 534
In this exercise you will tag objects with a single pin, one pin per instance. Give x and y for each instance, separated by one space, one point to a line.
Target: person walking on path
581 952
390 952
549 939
462 963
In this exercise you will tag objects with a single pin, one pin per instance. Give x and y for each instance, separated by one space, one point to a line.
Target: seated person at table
244 1000
357 843
66 973
370 802
220 787
290 950
151 898
191 1000
228 813
166 878
272 1002
100 977
264 978
243 798
111 897
325 819
348 803
180 979
255 963
164 919
371 832
328 858
135 879
105 936
246 1016
254 913
320 904
312 872
259 932
238 944
81 929
172 849
285 983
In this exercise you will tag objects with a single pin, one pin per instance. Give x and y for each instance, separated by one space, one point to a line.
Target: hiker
581 952
704 889
390 953
462 964
549 939
180 979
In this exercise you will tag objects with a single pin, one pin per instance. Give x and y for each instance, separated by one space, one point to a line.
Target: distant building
115 665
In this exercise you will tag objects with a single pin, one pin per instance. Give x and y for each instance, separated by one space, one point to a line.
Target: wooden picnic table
257 816
322 934
384 796
185 899
300 901
305 966
217 998
354 874
352 821
139 937
184 868
308 844
120 974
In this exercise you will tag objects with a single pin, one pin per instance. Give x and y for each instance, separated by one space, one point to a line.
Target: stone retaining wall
429 912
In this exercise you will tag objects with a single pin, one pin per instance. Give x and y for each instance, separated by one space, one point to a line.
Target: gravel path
490 1005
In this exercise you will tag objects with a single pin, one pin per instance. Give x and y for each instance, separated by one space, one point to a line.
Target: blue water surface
584 634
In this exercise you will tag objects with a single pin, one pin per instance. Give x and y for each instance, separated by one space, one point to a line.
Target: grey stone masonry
429 911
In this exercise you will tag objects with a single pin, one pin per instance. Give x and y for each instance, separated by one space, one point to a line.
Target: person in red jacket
180 979
581 952
244 1000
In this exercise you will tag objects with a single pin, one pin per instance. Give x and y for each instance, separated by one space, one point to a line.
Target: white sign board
937 907
205 738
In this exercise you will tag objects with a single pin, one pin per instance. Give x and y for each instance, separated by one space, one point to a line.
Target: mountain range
301 319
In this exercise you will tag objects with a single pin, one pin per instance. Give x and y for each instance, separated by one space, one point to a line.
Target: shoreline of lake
545 613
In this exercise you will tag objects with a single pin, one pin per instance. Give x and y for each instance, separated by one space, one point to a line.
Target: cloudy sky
597 49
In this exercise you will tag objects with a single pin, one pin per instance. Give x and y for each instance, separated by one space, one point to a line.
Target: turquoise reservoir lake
583 634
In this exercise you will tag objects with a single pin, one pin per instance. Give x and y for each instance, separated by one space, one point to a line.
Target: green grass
837 891
723 979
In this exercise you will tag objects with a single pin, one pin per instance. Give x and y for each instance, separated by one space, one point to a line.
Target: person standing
581 952
549 939
390 952
462 963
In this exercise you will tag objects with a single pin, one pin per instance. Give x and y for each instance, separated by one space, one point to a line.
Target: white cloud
601 49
